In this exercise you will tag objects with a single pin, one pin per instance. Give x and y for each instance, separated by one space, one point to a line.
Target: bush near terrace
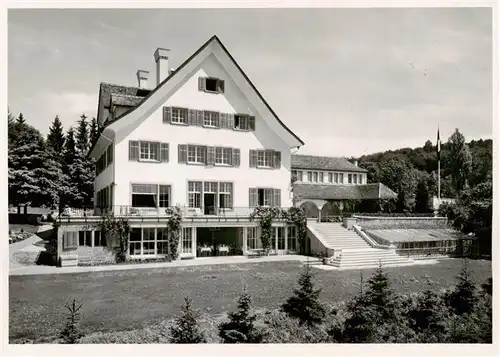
377 314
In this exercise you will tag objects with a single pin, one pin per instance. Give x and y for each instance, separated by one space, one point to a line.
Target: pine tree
71 332
186 329
55 138
240 327
422 198
69 148
464 298
304 304
20 119
94 132
82 135
380 295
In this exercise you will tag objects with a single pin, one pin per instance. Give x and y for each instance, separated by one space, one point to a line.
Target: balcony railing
188 212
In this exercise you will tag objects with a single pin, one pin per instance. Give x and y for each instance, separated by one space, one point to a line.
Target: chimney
355 162
161 59
142 78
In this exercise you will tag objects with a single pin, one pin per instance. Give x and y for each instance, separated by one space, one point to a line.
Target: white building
200 137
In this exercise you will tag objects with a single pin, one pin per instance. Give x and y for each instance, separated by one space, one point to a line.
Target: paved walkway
41 269
27 245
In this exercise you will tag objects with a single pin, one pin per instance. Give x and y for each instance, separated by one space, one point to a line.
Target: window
294 175
196 154
164 198
85 238
149 151
330 177
210 118
194 194
70 240
223 156
225 195
148 241
315 176
281 237
179 115
135 241
161 241
336 176
252 238
299 176
99 239
320 177
355 178
309 176
264 158
292 238
341 178
210 84
187 241
244 122
264 197
349 178
144 195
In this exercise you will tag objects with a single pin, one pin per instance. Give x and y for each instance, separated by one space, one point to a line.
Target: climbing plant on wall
116 231
174 224
292 216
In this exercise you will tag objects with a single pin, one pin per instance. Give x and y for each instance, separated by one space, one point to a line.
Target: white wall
177 175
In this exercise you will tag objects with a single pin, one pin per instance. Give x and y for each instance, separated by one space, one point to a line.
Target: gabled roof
105 88
343 192
324 163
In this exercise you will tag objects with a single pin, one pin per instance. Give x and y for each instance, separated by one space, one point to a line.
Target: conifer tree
422 198
240 327
71 332
55 138
186 328
94 132
304 304
464 298
20 119
82 135
69 148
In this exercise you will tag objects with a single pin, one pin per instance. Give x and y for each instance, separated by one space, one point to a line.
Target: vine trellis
174 226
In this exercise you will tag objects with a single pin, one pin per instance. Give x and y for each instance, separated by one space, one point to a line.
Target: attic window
244 122
210 84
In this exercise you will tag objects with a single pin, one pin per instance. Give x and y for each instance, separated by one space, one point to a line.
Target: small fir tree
380 295
186 328
464 298
304 304
71 332
240 328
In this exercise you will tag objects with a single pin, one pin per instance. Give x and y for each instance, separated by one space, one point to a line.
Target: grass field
131 299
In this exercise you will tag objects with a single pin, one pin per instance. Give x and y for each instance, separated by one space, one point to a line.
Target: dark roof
146 93
125 100
343 192
324 163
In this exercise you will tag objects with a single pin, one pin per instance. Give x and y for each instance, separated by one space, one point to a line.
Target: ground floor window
292 238
281 237
135 241
161 241
99 239
85 238
148 241
187 240
252 238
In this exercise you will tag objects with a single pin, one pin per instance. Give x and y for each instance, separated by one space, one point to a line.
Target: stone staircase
353 250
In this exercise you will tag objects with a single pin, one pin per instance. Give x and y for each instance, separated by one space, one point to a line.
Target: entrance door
209 200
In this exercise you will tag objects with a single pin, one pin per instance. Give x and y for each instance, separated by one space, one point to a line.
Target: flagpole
439 166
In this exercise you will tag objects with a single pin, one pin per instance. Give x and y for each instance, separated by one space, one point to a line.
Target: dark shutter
253 199
236 157
277 198
277 159
210 155
220 86
192 116
133 152
199 117
201 83
253 158
251 123
164 152
230 121
182 154
167 114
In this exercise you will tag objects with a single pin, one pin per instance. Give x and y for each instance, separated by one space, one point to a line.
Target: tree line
54 171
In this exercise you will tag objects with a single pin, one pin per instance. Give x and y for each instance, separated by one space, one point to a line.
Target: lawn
131 299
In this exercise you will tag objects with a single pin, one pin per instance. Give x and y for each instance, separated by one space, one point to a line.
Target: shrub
304 304
281 328
71 332
186 329
240 327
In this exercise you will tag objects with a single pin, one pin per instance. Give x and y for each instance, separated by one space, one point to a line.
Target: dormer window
211 85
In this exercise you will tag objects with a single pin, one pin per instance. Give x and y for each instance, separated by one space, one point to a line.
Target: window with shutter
210 155
253 158
182 157
277 159
230 121
164 152
133 154
167 114
236 157
199 117
253 198
223 120
192 117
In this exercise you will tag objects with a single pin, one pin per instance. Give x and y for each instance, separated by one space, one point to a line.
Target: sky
348 82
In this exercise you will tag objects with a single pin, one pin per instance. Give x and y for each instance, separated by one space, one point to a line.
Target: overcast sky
346 81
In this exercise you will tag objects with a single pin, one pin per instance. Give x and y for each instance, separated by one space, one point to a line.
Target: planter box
349 222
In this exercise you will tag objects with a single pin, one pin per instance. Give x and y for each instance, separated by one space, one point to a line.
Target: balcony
188 213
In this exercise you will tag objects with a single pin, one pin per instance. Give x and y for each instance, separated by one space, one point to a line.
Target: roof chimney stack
355 162
161 59
142 78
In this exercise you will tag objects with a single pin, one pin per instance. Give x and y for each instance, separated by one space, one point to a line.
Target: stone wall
401 222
